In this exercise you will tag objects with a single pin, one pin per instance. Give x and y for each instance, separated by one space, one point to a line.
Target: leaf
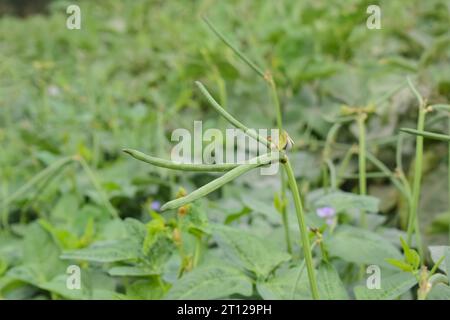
251 252
330 285
439 292
344 201
400 264
411 256
436 253
391 287
211 282
148 289
266 209
284 286
111 251
362 247
41 253
131 271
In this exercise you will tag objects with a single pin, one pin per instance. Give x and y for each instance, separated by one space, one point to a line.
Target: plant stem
427 134
362 162
303 230
230 118
198 249
96 183
448 173
413 216
279 119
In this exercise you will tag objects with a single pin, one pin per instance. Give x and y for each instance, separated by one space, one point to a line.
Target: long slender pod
217 183
180 166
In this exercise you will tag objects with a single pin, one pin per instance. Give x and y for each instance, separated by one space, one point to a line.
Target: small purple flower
156 205
329 221
326 212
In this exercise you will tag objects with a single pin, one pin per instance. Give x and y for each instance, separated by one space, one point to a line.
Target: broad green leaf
344 201
253 253
286 285
391 287
58 285
439 291
362 247
211 282
330 285
264 208
41 254
111 251
131 271
436 253
148 289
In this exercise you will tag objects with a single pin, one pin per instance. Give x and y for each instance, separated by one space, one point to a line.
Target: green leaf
148 289
391 287
330 285
436 253
344 201
362 247
211 282
253 253
111 251
131 271
401 265
411 256
284 286
41 254
439 292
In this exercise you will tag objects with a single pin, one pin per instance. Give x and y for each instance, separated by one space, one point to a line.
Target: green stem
427 134
362 162
279 119
230 118
448 173
413 217
235 49
38 178
303 230
97 186
198 249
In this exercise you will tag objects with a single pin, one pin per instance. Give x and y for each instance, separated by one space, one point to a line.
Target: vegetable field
207 149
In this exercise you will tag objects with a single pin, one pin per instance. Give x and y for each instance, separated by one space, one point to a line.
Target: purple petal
156 205
326 212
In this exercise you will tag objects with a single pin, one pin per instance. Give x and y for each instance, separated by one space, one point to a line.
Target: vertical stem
95 182
413 216
198 249
448 187
279 118
303 231
362 162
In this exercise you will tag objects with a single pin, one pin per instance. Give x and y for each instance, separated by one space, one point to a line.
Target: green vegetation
364 168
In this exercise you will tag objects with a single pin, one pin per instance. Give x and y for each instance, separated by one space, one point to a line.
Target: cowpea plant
233 171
